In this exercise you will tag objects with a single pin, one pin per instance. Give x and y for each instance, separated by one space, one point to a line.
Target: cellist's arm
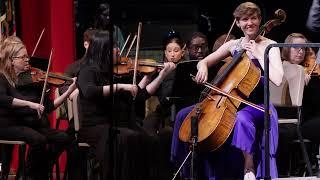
212 59
275 66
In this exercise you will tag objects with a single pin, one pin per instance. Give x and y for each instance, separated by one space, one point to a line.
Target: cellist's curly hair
246 8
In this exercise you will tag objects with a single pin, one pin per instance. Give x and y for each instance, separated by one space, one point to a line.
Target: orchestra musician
94 96
246 139
309 126
174 52
21 107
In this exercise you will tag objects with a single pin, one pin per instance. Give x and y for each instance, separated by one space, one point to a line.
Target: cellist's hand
202 74
251 47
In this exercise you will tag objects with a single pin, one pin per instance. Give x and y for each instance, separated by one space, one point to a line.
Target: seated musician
310 125
245 144
96 105
23 123
174 52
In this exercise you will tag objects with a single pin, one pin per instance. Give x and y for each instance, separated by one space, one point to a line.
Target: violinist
245 143
23 123
174 52
57 140
73 69
311 116
95 109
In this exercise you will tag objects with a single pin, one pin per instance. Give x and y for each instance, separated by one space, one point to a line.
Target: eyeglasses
25 57
196 47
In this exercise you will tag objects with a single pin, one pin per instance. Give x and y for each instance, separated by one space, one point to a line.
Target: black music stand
185 93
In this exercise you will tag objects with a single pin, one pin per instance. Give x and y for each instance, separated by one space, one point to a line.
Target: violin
310 65
55 79
125 66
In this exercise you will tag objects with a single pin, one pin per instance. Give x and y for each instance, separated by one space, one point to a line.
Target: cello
217 113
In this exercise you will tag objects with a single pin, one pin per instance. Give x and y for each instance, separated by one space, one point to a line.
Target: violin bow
125 43
134 82
229 32
210 86
45 81
35 48
134 39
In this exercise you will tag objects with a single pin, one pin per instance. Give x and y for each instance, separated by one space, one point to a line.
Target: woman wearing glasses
19 113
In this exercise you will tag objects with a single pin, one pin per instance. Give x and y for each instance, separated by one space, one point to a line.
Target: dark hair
169 36
98 51
197 35
102 17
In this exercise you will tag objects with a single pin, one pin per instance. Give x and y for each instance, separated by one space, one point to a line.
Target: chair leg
57 170
22 166
304 152
66 169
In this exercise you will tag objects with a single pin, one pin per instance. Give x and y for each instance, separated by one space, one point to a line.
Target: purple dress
247 135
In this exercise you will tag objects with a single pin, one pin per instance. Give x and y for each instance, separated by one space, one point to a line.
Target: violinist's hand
168 68
133 89
307 78
73 94
38 107
72 86
251 47
202 74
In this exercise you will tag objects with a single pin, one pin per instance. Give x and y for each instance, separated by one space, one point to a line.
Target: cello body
218 112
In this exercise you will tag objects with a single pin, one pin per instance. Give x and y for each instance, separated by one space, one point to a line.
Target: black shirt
11 115
94 107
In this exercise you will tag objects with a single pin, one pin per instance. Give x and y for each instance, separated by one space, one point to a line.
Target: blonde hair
8 49
246 8
285 51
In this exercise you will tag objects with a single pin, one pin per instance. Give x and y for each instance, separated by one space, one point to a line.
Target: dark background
186 16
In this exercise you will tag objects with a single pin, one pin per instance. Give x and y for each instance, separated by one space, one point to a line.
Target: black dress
131 146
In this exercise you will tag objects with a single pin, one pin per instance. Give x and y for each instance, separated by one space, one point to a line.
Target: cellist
248 131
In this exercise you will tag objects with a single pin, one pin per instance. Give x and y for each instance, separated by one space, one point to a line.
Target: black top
94 107
33 92
185 90
71 71
8 114
311 98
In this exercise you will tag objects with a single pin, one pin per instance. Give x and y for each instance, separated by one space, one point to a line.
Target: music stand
185 93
